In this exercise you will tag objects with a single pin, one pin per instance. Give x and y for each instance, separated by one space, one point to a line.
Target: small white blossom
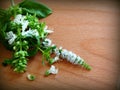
30 33
20 19
74 56
78 59
47 42
47 30
11 37
53 45
24 25
56 58
53 70
64 54
60 48
57 51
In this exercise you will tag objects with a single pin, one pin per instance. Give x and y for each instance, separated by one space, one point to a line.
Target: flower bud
14 48
18 43
25 42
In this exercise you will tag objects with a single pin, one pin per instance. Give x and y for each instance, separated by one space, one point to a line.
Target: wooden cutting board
88 28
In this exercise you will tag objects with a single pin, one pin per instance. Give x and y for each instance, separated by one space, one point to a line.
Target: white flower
69 56
30 33
56 58
47 42
57 51
74 56
24 25
11 37
20 19
64 54
53 45
47 30
60 48
53 70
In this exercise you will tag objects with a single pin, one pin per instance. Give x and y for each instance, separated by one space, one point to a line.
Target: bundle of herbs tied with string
23 34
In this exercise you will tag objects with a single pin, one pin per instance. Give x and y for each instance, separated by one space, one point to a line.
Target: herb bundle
22 33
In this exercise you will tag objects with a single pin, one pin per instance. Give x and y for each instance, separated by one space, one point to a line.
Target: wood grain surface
89 28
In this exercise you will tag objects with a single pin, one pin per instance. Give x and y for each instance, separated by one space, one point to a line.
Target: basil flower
10 37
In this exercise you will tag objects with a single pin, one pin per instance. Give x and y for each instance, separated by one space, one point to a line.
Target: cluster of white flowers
47 42
10 37
53 70
71 57
68 55
30 33
20 19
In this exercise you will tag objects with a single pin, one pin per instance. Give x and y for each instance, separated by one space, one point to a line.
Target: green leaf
38 41
2 12
32 7
3 35
32 52
6 62
34 42
4 16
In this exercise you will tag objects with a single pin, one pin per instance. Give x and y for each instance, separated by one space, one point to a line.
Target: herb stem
41 50
12 2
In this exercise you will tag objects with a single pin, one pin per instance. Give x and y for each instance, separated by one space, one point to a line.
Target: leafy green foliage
24 46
